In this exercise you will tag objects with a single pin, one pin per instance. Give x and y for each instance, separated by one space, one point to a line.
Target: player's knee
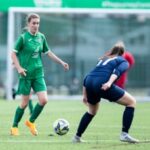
23 105
92 112
43 101
132 103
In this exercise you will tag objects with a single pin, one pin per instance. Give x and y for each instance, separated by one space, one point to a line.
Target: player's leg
40 88
24 89
92 100
42 96
85 121
130 103
91 97
18 114
118 95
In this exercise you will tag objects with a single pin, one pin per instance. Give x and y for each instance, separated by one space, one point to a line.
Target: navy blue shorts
94 92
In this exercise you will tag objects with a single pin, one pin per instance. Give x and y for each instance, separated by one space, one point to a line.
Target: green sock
30 105
37 110
18 115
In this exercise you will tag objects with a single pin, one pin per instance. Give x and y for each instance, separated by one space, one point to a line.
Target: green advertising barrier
129 4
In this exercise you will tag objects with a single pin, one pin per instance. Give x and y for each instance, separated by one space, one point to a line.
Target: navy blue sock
84 122
127 118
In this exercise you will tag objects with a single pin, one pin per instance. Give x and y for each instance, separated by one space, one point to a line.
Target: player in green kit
26 57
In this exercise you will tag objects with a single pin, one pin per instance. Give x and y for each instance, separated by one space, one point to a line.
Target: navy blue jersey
107 66
101 74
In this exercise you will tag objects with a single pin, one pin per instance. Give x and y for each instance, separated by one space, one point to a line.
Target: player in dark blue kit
99 83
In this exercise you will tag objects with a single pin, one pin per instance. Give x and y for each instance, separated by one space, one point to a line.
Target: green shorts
25 85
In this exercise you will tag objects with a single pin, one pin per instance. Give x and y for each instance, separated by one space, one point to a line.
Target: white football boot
77 139
125 137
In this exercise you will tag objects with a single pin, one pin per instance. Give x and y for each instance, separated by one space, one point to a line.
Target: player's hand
22 71
106 86
66 66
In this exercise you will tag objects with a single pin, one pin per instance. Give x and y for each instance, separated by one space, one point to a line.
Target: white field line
79 97
56 141
68 141
114 126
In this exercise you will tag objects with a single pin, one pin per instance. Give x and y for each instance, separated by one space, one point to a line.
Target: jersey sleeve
45 46
19 44
121 68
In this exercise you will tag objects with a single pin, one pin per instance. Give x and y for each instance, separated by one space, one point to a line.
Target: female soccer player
99 83
26 57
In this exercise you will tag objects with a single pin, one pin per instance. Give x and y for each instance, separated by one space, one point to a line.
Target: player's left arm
58 60
52 56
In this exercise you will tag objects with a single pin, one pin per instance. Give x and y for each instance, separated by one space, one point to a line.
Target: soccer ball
61 126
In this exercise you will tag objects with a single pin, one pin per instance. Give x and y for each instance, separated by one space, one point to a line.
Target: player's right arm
16 63
108 84
18 46
118 71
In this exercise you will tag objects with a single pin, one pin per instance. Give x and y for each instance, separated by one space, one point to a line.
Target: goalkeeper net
80 36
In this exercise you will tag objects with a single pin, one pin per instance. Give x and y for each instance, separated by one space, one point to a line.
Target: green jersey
29 49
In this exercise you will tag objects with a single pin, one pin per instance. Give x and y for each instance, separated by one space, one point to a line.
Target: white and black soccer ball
61 126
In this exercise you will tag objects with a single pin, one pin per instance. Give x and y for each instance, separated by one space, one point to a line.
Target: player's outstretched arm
58 60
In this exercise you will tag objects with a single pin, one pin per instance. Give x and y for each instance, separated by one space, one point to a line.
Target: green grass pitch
102 133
